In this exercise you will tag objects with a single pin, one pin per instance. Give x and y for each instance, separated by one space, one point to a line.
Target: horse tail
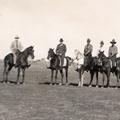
68 60
8 59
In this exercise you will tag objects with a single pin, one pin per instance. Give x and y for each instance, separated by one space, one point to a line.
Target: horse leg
108 78
4 73
18 75
92 75
52 71
56 76
61 71
66 76
117 76
80 77
97 79
7 72
103 79
23 75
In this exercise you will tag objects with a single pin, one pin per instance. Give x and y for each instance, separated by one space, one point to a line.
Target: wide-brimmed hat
61 40
16 37
88 40
101 42
113 41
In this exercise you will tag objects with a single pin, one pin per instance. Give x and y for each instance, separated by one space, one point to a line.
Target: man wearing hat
16 45
88 48
60 51
112 53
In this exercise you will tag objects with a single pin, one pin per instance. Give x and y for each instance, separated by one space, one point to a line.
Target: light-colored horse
78 63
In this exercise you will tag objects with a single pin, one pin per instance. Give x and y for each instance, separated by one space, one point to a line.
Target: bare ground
37 100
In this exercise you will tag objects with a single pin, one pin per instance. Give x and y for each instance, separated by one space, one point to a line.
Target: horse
86 65
55 65
22 63
106 68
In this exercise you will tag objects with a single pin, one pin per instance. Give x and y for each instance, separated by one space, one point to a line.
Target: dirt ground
37 100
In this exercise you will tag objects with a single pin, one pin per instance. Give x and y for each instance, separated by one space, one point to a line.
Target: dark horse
22 63
55 65
90 64
106 68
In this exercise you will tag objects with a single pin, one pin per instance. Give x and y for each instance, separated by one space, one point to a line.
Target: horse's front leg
61 71
91 79
103 79
18 75
97 79
108 78
23 75
81 77
56 76
66 76
52 71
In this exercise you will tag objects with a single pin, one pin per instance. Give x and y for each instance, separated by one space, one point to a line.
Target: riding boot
28 65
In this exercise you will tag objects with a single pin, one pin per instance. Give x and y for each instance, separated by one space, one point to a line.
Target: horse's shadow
76 84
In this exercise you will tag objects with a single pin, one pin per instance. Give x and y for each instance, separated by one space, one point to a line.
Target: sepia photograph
59 59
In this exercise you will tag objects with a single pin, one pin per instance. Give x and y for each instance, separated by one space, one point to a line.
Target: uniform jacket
61 49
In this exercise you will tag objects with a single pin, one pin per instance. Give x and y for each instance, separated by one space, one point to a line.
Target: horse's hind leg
23 75
7 72
92 75
18 75
117 76
61 71
56 76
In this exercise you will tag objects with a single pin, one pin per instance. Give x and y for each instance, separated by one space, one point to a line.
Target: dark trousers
62 59
87 59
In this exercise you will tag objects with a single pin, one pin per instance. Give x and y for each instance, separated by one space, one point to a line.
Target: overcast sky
43 22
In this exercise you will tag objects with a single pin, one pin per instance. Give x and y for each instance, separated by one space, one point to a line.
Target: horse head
31 52
77 55
101 56
50 54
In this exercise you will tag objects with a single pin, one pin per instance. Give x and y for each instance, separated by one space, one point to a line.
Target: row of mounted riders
90 64
94 65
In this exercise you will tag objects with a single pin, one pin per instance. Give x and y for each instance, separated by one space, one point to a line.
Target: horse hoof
18 83
60 83
67 84
8 82
116 87
3 82
90 86
50 83
23 83
96 86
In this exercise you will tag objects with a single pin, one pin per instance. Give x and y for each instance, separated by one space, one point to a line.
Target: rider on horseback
113 51
101 49
88 52
15 47
60 51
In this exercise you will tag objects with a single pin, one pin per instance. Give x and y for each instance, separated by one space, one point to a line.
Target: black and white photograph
59 59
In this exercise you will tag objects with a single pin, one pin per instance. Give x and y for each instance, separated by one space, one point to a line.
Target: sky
41 23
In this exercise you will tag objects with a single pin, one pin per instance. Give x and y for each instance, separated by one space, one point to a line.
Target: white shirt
101 49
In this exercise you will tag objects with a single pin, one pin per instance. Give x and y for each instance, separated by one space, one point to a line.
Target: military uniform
60 51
